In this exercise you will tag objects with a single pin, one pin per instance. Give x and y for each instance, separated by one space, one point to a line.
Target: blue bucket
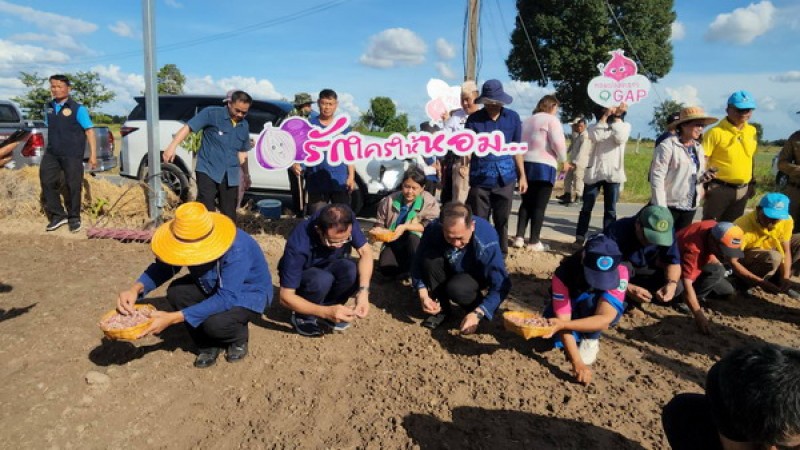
269 208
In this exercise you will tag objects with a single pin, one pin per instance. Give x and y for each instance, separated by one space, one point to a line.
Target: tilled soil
386 382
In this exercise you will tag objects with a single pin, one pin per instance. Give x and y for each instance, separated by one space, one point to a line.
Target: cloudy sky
369 48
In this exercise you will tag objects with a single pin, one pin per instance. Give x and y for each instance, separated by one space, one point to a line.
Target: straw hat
195 236
693 113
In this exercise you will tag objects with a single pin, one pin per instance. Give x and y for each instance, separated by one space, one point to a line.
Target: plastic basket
381 234
126 334
526 331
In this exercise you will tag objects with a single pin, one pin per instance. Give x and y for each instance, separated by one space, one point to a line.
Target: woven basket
381 234
126 334
525 331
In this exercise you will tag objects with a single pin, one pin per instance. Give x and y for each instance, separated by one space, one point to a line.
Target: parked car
31 147
374 179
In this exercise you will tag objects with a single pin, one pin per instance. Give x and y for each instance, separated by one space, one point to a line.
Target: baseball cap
601 258
729 237
658 225
775 205
742 100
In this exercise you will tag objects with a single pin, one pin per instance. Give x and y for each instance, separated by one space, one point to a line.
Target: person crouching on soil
588 296
404 214
228 284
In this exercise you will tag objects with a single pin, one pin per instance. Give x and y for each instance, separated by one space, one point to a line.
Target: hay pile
103 203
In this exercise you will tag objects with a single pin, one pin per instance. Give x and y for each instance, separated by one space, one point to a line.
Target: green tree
86 89
661 114
381 111
32 103
759 131
170 80
397 124
569 42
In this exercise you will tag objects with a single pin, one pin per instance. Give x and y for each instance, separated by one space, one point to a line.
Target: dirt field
385 383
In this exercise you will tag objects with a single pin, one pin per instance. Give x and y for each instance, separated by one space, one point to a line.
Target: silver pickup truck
32 145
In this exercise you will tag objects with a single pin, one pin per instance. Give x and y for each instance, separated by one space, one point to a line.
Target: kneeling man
227 287
459 256
317 275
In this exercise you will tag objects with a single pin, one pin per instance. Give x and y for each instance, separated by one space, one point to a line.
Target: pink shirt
562 304
545 137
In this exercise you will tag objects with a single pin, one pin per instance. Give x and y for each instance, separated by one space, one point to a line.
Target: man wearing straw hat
228 285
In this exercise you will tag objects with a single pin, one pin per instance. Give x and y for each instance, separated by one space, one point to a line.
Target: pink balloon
435 108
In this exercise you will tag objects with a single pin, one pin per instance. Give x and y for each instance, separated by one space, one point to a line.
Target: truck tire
172 176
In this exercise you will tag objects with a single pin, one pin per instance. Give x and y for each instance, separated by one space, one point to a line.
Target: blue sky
369 48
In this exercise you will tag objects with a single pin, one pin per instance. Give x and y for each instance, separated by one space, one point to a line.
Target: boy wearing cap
317 277
492 177
228 285
703 246
587 297
730 147
768 244
650 253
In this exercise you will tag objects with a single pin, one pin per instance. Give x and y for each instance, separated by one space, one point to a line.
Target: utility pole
472 39
151 107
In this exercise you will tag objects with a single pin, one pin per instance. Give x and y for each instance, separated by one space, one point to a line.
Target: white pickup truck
32 145
375 179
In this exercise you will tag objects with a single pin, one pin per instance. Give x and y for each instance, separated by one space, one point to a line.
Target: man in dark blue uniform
69 129
226 140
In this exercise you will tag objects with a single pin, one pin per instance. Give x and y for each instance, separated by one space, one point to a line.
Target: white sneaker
519 242
539 247
588 350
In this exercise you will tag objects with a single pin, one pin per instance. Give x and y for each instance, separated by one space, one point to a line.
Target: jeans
228 327
51 171
590 193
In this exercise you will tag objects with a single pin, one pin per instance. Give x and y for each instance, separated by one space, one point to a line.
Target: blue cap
742 100
775 205
492 91
601 258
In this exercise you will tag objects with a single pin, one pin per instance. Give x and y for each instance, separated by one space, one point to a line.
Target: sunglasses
743 111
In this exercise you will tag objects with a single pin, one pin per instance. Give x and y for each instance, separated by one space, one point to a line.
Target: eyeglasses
697 124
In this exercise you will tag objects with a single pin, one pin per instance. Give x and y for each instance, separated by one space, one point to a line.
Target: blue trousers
590 193
329 285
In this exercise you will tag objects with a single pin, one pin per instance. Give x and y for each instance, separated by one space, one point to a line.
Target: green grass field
637 166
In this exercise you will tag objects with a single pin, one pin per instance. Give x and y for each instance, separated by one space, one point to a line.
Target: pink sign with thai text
313 145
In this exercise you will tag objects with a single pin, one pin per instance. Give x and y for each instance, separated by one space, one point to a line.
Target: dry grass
103 203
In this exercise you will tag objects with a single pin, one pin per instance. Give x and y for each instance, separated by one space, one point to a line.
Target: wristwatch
479 312
363 288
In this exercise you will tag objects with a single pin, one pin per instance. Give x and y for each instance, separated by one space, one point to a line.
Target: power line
633 49
201 40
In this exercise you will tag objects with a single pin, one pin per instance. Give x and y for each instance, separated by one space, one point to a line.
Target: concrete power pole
472 38
156 196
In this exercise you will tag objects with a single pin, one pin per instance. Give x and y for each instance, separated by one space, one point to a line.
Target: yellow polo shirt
731 150
757 237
